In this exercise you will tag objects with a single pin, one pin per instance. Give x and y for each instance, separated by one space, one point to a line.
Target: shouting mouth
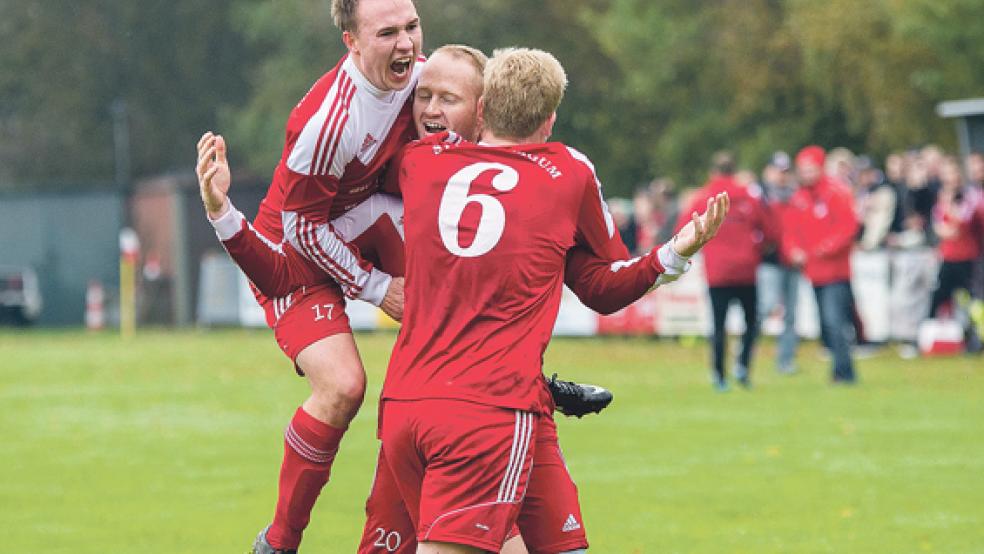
401 67
433 127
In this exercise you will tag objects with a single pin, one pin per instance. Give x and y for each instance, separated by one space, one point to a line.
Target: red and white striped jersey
487 230
339 138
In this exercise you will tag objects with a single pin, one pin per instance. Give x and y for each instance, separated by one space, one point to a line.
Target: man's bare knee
337 379
514 545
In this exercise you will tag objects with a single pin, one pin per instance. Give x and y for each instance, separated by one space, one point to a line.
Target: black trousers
721 298
952 276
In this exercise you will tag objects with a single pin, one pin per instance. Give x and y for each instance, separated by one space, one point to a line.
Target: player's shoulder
564 161
434 144
574 157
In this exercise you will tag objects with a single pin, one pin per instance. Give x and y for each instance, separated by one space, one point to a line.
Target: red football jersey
339 139
487 230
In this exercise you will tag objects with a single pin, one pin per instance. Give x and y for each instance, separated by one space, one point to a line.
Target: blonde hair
523 88
473 56
462 52
343 14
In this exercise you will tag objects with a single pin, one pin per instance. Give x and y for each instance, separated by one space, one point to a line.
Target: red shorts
316 310
550 519
461 478
389 527
305 316
550 516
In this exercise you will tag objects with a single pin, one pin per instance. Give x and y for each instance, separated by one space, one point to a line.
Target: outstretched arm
607 283
275 269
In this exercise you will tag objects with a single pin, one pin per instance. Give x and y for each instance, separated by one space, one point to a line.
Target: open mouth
434 128
401 66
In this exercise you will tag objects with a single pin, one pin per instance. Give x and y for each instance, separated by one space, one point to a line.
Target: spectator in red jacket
959 224
819 227
731 260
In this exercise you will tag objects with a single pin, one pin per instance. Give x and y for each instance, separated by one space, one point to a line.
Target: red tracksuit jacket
820 220
732 256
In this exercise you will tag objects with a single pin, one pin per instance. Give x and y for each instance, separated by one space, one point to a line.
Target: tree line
655 85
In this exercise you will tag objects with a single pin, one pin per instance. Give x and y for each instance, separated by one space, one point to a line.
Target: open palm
702 227
214 177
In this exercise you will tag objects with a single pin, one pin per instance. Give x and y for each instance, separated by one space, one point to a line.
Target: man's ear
481 110
547 128
349 40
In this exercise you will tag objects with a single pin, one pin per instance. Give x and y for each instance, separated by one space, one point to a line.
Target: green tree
300 43
64 64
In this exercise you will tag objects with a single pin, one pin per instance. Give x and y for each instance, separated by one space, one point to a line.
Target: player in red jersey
447 99
339 138
454 105
487 230
448 96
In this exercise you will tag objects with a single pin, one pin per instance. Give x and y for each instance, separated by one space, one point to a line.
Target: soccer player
487 230
447 98
339 138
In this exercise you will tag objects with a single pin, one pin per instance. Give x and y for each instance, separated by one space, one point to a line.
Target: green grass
172 443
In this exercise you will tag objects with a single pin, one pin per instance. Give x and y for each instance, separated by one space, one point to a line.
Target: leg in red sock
334 371
309 450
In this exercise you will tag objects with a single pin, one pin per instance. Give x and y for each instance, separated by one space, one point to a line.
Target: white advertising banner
891 289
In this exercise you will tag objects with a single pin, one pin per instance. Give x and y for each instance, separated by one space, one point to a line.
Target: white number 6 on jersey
456 197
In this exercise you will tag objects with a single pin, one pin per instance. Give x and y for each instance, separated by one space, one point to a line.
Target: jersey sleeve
605 285
311 173
599 268
274 269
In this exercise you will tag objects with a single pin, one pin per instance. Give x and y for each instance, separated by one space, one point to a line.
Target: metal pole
121 156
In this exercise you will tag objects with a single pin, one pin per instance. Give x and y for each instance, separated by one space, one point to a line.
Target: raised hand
702 227
214 177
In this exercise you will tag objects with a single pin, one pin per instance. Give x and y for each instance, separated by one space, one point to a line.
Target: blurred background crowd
917 201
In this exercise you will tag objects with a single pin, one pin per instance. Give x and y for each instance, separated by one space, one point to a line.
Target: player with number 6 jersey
487 230
482 293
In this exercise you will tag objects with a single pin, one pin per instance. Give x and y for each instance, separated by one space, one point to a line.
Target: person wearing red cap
819 227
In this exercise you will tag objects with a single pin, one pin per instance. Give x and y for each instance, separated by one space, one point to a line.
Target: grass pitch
172 443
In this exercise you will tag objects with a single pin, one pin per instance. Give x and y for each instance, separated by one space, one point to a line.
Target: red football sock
309 449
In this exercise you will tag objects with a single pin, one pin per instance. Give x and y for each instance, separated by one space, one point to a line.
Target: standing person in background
625 223
957 221
819 227
975 178
877 201
778 281
646 226
841 165
895 178
923 188
731 261
666 207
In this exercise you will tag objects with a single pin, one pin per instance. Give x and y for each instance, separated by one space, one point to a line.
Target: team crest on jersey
367 143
